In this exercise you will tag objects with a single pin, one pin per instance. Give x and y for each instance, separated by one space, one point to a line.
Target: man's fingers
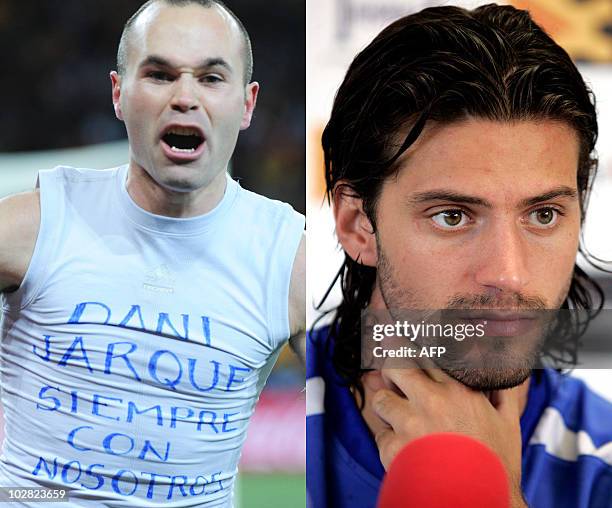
388 446
373 381
434 372
410 381
390 407
423 366
383 437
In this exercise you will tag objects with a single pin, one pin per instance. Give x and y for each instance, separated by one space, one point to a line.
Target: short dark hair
444 64
123 42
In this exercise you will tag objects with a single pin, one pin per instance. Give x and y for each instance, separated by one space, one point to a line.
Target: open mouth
185 140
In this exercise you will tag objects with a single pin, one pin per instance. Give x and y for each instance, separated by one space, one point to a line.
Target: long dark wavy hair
444 64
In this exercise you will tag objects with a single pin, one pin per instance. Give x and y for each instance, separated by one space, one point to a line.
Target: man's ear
116 84
353 228
250 100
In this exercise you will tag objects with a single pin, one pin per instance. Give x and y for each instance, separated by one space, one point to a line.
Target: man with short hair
144 306
459 157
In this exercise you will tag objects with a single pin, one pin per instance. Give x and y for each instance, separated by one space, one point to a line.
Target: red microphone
442 471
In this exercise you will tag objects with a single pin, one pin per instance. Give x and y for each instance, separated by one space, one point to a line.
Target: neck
159 200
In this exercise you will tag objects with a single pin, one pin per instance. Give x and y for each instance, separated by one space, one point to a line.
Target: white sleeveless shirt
134 351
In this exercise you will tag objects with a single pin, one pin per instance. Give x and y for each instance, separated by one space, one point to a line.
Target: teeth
183 131
182 150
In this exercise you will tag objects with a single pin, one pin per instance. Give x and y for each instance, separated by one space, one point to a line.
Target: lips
508 327
183 143
500 323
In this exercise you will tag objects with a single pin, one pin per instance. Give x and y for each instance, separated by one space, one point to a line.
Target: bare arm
19 223
297 303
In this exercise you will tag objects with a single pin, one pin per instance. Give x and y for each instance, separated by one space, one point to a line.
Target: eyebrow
207 63
455 197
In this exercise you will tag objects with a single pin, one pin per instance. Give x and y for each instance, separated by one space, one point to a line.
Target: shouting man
458 159
144 306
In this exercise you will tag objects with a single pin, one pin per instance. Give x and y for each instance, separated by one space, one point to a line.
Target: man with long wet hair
459 160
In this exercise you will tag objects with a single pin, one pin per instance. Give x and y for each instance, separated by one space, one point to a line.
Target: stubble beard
505 368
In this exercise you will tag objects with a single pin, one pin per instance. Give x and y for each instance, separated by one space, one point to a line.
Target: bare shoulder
19 224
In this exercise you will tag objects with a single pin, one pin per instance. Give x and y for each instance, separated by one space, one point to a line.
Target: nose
503 263
184 97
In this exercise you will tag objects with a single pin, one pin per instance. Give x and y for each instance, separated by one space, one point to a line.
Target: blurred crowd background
56 109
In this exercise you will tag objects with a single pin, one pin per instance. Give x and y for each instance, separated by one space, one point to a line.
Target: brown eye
450 219
544 217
